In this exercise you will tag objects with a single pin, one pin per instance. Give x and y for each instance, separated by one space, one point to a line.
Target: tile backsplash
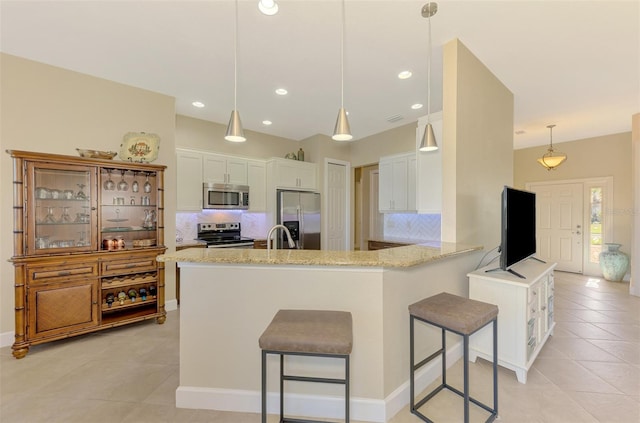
412 226
253 225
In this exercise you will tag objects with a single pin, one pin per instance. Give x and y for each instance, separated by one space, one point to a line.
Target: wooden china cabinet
86 236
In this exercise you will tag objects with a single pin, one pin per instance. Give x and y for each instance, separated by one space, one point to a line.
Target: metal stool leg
264 386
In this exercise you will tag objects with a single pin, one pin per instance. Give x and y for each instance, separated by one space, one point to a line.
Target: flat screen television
518 228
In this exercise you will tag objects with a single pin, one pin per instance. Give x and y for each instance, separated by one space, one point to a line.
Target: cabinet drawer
146 263
59 272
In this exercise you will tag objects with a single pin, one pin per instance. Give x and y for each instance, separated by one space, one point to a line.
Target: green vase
613 262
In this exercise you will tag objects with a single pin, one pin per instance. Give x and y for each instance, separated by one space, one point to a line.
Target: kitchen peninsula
229 296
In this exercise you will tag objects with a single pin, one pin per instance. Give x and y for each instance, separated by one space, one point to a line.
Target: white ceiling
572 63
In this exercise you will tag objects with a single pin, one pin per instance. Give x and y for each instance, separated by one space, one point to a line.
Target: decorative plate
139 147
96 154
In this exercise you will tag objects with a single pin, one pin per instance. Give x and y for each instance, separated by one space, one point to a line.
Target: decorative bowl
96 154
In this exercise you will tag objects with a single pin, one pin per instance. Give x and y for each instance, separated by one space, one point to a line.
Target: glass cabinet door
128 208
62 215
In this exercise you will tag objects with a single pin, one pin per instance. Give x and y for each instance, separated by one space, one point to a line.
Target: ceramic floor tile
608 407
627 351
623 331
587 372
589 331
568 375
624 376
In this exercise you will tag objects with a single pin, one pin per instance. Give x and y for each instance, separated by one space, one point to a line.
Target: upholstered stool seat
318 333
464 317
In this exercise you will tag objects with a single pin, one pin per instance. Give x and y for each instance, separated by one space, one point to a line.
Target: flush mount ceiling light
342 131
234 129
552 159
268 7
428 142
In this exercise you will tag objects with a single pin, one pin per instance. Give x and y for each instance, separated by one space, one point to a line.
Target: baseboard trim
7 339
171 305
328 407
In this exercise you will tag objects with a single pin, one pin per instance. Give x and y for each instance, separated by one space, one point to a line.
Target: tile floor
589 371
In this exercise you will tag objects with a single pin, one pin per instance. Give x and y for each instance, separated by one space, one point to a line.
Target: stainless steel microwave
224 196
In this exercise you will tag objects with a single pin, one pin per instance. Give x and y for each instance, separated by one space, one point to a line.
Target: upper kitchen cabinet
221 169
292 174
189 171
397 187
257 181
429 169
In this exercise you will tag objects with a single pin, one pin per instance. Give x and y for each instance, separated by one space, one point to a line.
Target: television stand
497 269
513 271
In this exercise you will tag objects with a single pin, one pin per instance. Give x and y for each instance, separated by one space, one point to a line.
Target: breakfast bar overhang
229 296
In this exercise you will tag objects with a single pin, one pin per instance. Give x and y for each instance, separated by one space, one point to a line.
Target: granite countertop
392 257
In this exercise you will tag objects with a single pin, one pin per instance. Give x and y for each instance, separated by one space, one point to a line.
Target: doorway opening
368 221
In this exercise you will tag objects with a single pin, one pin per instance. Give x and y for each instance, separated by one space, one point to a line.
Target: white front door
559 224
336 210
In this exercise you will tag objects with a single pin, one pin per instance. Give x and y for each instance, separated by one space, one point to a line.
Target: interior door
336 200
559 217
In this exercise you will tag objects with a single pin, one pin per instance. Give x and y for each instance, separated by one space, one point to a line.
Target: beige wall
608 155
635 169
368 150
209 136
48 109
477 151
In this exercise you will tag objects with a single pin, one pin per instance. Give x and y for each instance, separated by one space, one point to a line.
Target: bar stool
316 333
464 317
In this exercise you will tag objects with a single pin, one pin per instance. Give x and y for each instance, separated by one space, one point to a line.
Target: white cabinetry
257 181
429 168
396 190
189 176
292 174
525 314
224 169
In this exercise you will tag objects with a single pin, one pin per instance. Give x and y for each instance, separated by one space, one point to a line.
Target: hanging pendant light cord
429 76
342 59
235 62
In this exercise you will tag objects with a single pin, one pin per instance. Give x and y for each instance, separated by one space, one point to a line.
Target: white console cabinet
525 313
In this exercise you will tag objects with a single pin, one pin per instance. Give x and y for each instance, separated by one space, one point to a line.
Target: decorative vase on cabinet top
613 262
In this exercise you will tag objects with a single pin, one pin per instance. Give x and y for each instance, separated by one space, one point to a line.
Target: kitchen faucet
286 230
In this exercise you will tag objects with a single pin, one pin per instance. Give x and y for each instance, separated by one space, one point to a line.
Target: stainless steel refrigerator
299 211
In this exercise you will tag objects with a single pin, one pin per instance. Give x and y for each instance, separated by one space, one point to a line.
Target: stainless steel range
223 235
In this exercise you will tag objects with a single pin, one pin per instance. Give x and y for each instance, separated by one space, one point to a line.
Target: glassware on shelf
81 195
109 185
64 217
147 185
42 242
122 185
135 187
49 218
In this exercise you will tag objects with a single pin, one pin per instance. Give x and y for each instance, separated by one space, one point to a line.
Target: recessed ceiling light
281 91
266 122
198 104
416 106
268 7
405 74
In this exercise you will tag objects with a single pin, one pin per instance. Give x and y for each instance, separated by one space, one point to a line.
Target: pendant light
234 129
342 131
552 159
428 142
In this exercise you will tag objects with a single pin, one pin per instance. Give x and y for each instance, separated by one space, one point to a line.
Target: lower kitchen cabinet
525 314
